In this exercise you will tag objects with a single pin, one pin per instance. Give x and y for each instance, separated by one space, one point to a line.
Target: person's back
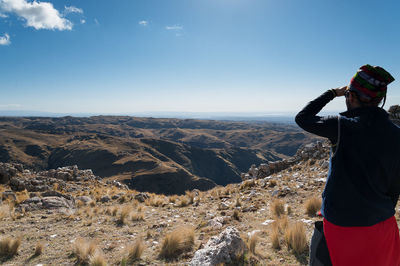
365 168
363 183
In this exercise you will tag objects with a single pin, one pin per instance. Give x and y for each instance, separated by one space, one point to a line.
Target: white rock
267 222
220 250
308 222
252 233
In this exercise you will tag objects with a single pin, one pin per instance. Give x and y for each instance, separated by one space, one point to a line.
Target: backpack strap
336 145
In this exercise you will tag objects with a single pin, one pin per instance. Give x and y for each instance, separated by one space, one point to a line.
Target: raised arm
327 126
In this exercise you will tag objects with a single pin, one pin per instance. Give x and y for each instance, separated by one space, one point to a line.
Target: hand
340 91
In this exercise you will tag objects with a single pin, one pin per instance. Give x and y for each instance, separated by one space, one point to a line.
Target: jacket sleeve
308 120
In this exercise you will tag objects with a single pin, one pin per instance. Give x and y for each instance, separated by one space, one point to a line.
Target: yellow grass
313 205
97 259
173 198
277 208
155 201
124 215
137 216
21 196
135 251
190 196
248 184
272 183
9 246
114 211
177 242
4 211
237 202
183 201
83 250
235 215
275 238
295 237
38 249
252 242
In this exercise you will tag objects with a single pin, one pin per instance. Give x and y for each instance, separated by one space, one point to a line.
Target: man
363 184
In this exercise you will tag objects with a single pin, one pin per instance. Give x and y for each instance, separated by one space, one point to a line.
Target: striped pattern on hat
370 82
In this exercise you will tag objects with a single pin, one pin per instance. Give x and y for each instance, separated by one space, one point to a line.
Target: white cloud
5 40
72 9
3 15
96 21
175 27
83 21
143 23
39 15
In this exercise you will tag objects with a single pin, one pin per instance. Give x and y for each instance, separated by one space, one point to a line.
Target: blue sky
132 56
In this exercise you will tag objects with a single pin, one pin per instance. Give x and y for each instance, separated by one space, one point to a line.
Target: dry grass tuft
97 259
190 196
235 215
38 249
21 196
56 186
238 203
275 238
79 204
137 216
177 242
114 211
252 242
289 210
84 250
173 198
183 201
4 211
155 201
272 183
248 184
140 208
295 237
9 246
312 206
123 199
135 251
277 207
124 215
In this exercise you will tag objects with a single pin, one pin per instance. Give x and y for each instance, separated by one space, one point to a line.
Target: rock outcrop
8 170
48 200
394 114
225 248
316 151
45 180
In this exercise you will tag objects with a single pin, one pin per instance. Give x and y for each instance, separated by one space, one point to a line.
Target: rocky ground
57 213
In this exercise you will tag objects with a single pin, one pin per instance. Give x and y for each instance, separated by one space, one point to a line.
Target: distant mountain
149 154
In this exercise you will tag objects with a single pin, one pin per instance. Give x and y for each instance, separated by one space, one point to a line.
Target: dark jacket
363 183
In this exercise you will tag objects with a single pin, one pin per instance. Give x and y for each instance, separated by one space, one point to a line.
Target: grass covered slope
274 216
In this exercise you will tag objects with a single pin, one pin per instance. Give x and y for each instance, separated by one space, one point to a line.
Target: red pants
377 245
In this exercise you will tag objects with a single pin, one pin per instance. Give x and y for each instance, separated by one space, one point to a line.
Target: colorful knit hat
370 83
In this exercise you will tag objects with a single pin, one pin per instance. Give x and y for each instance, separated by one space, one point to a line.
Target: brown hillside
148 153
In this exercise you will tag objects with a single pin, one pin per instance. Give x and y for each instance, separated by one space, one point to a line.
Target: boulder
84 199
56 203
49 200
7 171
223 206
105 198
8 194
141 197
223 249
